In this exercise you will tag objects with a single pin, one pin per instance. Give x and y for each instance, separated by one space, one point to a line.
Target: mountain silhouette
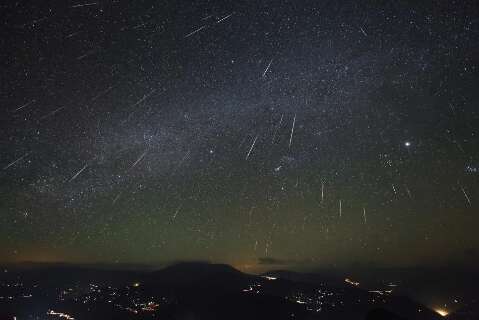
198 290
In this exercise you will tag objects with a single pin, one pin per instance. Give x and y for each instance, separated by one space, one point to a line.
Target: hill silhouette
196 290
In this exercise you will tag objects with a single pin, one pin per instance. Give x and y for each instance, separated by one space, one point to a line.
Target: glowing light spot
351 282
442 312
60 315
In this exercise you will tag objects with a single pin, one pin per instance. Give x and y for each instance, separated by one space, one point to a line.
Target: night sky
259 133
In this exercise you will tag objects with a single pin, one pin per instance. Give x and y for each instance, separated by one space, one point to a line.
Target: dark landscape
199 290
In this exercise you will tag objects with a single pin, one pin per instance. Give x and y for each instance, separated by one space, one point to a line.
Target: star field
306 133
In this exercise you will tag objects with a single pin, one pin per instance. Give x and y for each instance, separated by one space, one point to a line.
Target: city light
60 314
442 312
351 282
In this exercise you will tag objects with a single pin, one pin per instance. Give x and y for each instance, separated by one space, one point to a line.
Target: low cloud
273 261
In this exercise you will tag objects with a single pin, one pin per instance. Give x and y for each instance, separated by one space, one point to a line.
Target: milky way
307 133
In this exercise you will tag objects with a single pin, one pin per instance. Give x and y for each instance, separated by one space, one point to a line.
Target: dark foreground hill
191 291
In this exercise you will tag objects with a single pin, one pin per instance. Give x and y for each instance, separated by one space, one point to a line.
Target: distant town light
442 312
136 284
60 315
351 282
381 292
